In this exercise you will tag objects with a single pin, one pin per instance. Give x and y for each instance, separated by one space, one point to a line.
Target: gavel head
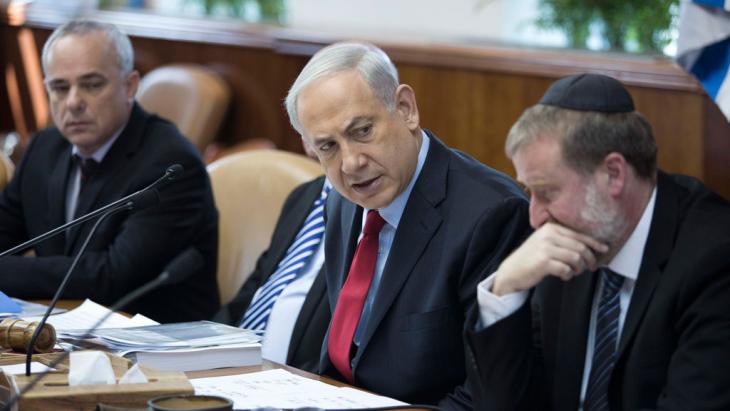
16 335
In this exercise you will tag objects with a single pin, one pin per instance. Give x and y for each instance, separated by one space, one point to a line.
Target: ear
132 83
616 170
405 105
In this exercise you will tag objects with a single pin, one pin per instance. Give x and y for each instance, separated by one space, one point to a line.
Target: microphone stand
144 199
61 288
171 174
161 279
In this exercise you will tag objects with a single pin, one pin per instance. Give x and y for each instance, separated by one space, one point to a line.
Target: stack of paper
190 346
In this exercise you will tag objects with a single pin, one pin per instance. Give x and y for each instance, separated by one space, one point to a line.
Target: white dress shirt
626 263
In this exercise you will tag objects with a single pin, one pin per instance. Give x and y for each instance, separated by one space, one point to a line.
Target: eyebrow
357 122
316 141
92 76
354 123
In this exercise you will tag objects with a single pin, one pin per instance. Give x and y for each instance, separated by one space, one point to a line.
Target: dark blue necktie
297 257
605 342
87 167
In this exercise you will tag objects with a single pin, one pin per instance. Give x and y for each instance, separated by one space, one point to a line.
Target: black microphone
141 200
176 271
172 173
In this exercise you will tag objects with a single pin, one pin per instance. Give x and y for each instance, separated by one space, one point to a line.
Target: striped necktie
605 342
298 255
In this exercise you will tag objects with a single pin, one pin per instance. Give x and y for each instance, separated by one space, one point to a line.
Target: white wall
472 20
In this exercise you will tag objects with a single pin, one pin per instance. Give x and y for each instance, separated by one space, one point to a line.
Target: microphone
179 269
171 174
140 200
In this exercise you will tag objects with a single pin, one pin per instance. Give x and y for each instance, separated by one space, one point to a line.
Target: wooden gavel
16 334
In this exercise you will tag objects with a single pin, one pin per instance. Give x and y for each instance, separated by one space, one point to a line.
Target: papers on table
83 317
176 335
188 346
206 358
282 389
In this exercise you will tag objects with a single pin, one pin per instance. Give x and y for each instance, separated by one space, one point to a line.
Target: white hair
117 39
371 62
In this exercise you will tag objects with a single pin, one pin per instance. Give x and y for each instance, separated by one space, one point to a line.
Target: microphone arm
180 268
172 173
143 200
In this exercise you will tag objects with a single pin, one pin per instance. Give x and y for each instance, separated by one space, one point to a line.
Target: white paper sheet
282 389
87 314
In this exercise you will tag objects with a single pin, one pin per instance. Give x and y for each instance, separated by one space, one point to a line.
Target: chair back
193 98
6 169
249 189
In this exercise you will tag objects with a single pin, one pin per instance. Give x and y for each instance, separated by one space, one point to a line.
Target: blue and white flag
703 46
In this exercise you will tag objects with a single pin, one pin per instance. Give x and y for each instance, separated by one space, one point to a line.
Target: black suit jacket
461 219
129 248
313 319
675 343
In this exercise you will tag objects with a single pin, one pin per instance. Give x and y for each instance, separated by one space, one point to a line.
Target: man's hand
551 250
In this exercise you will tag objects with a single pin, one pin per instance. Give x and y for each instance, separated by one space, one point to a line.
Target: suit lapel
293 222
418 224
575 315
57 188
349 235
343 222
306 314
658 248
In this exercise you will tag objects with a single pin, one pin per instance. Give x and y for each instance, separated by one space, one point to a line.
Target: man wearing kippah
619 299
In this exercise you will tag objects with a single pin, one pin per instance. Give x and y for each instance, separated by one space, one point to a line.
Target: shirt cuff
493 308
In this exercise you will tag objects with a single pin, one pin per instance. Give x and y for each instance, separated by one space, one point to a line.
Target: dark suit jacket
129 248
675 344
461 219
314 317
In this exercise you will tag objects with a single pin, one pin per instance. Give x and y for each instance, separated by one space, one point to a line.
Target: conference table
10 358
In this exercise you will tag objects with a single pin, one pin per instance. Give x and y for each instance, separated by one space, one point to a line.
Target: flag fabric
703 46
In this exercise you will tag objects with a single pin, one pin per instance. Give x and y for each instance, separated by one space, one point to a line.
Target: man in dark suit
103 147
651 328
436 221
294 331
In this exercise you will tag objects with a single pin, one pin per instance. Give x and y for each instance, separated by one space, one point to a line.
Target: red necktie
352 296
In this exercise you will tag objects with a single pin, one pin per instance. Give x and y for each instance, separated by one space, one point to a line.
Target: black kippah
589 92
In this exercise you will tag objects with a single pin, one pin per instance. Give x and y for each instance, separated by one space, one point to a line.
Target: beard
602 218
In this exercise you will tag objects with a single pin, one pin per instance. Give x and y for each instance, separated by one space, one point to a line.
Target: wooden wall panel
677 121
469 96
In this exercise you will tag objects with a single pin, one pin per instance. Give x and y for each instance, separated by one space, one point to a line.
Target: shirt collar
100 153
393 211
628 259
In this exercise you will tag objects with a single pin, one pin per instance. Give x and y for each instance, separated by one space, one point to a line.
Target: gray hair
371 62
117 39
586 137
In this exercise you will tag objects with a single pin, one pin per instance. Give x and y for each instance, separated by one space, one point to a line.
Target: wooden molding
634 70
